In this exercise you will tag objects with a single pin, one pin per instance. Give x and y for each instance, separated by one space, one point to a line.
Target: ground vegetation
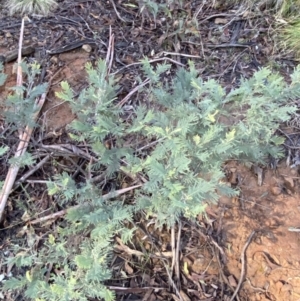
151 157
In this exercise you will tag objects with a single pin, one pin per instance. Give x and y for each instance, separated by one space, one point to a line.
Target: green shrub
179 142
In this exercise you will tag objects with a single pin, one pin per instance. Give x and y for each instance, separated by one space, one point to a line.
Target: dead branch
107 196
24 136
243 271
22 147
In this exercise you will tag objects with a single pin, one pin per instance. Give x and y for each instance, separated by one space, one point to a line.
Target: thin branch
243 271
116 11
24 136
173 247
110 51
22 147
230 45
172 282
178 244
19 70
33 170
150 61
61 213
126 98
134 289
182 54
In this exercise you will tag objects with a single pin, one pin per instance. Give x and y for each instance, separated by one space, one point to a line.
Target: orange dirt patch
10 81
68 67
272 262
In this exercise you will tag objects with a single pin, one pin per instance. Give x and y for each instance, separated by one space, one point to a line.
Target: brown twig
199 10
13 170
243 260
216 16
33 170
116 11
126 249
182 54
69 149
19 70
150 61
110 51
13 55
24 136
125 99
178 244
173 248
172 282
133 289
230 45
63 212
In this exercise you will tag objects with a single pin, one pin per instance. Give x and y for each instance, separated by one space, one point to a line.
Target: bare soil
272 265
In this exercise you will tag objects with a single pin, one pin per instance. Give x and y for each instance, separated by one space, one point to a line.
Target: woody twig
24 135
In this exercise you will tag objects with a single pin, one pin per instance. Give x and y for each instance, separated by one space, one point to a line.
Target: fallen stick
13 170
243 270
24 136
32 171
60 213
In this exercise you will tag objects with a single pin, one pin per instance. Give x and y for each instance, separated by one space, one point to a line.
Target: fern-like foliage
185 168
78 253
193 127
2 75
21 102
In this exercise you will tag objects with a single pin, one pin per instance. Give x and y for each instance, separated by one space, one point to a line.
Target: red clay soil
272 210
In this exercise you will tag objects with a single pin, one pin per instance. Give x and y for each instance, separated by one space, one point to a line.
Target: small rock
294 172
225 200
221 21
54 59
289 182
87 47
199 265
275 190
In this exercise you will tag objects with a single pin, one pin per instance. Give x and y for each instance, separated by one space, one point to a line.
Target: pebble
275 190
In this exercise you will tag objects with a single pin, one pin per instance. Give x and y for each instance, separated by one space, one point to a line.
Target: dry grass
290 8
287 33
290 37
262 4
